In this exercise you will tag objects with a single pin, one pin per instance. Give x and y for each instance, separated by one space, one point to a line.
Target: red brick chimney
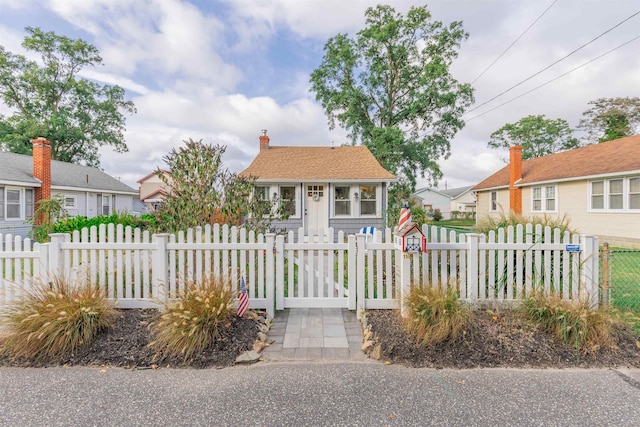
264 140
42 170
515 175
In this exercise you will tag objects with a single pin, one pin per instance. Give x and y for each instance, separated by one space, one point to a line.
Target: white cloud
179 62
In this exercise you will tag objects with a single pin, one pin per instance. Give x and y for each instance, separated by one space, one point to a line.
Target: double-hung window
617 194
16 203
634 193
288 200
342 201
543 198
367 200
494 201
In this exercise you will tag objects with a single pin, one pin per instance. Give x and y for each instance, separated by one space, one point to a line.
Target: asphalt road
318 394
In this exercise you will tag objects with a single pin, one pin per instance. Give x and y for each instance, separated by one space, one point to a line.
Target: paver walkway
315 334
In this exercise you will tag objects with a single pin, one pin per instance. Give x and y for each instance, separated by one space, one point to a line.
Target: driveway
320 393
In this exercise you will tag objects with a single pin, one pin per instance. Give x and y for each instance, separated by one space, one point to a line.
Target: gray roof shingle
19 168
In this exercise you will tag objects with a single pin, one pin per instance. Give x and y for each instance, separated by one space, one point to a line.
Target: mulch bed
499 339
496 339
126 345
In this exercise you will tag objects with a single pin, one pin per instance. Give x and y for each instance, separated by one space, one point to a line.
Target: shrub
574 322
437 215
435 314
55 319
190 324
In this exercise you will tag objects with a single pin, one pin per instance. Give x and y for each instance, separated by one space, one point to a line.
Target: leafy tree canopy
78 116
204 192
391 88
611 118
537 135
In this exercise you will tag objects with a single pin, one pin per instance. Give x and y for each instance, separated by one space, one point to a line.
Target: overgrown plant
436 314
189 325
204 192
48 213
54 320
574 322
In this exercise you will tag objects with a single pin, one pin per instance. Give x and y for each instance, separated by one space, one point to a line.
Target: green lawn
625 279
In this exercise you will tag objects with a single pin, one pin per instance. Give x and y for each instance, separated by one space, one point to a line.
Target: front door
316 207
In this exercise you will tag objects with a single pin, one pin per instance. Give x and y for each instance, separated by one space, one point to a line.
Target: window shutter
1 203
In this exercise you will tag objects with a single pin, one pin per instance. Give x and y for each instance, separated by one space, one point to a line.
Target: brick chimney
264 140
515 175
42 170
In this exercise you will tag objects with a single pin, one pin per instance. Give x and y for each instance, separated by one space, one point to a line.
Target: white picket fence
137 269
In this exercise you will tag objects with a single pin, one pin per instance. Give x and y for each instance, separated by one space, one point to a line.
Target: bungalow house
597 187
459 199
320 187
152 189
25 180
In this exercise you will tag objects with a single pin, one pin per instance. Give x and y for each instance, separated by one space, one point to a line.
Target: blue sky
223 70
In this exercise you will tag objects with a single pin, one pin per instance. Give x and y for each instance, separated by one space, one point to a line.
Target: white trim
22 203
21 184
614 175
94 190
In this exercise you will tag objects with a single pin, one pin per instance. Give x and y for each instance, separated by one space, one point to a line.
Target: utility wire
546 68
514 42
552 80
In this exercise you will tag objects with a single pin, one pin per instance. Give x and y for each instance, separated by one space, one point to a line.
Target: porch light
356 196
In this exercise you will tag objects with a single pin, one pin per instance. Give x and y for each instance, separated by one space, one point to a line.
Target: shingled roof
18 169
279 163
620 155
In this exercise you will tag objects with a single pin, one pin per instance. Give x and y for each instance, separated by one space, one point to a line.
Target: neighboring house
25 180
459 199
153 189
340 187
597 187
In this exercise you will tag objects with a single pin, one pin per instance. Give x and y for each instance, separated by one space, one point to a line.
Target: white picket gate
137 269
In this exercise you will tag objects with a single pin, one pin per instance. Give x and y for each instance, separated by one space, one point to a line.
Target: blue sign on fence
572 248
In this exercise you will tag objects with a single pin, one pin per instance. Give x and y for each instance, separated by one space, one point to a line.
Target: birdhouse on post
408 237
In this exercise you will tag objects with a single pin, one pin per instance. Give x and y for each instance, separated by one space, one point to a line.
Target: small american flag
243 298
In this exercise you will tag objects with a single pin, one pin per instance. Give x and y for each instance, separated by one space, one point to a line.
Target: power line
554 79
559 60
514 42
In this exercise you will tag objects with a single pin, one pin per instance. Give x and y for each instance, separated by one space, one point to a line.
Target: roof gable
316 163
609 157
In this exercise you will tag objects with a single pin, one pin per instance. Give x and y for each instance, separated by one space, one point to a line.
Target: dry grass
54 320
489 222
190 324
574 322
435 314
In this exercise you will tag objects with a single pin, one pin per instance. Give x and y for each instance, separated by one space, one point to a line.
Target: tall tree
611 118
204 192
78 116
537 135
391 88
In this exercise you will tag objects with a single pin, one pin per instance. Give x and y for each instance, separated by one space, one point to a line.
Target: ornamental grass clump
436 314
54 319
190 324
574 322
